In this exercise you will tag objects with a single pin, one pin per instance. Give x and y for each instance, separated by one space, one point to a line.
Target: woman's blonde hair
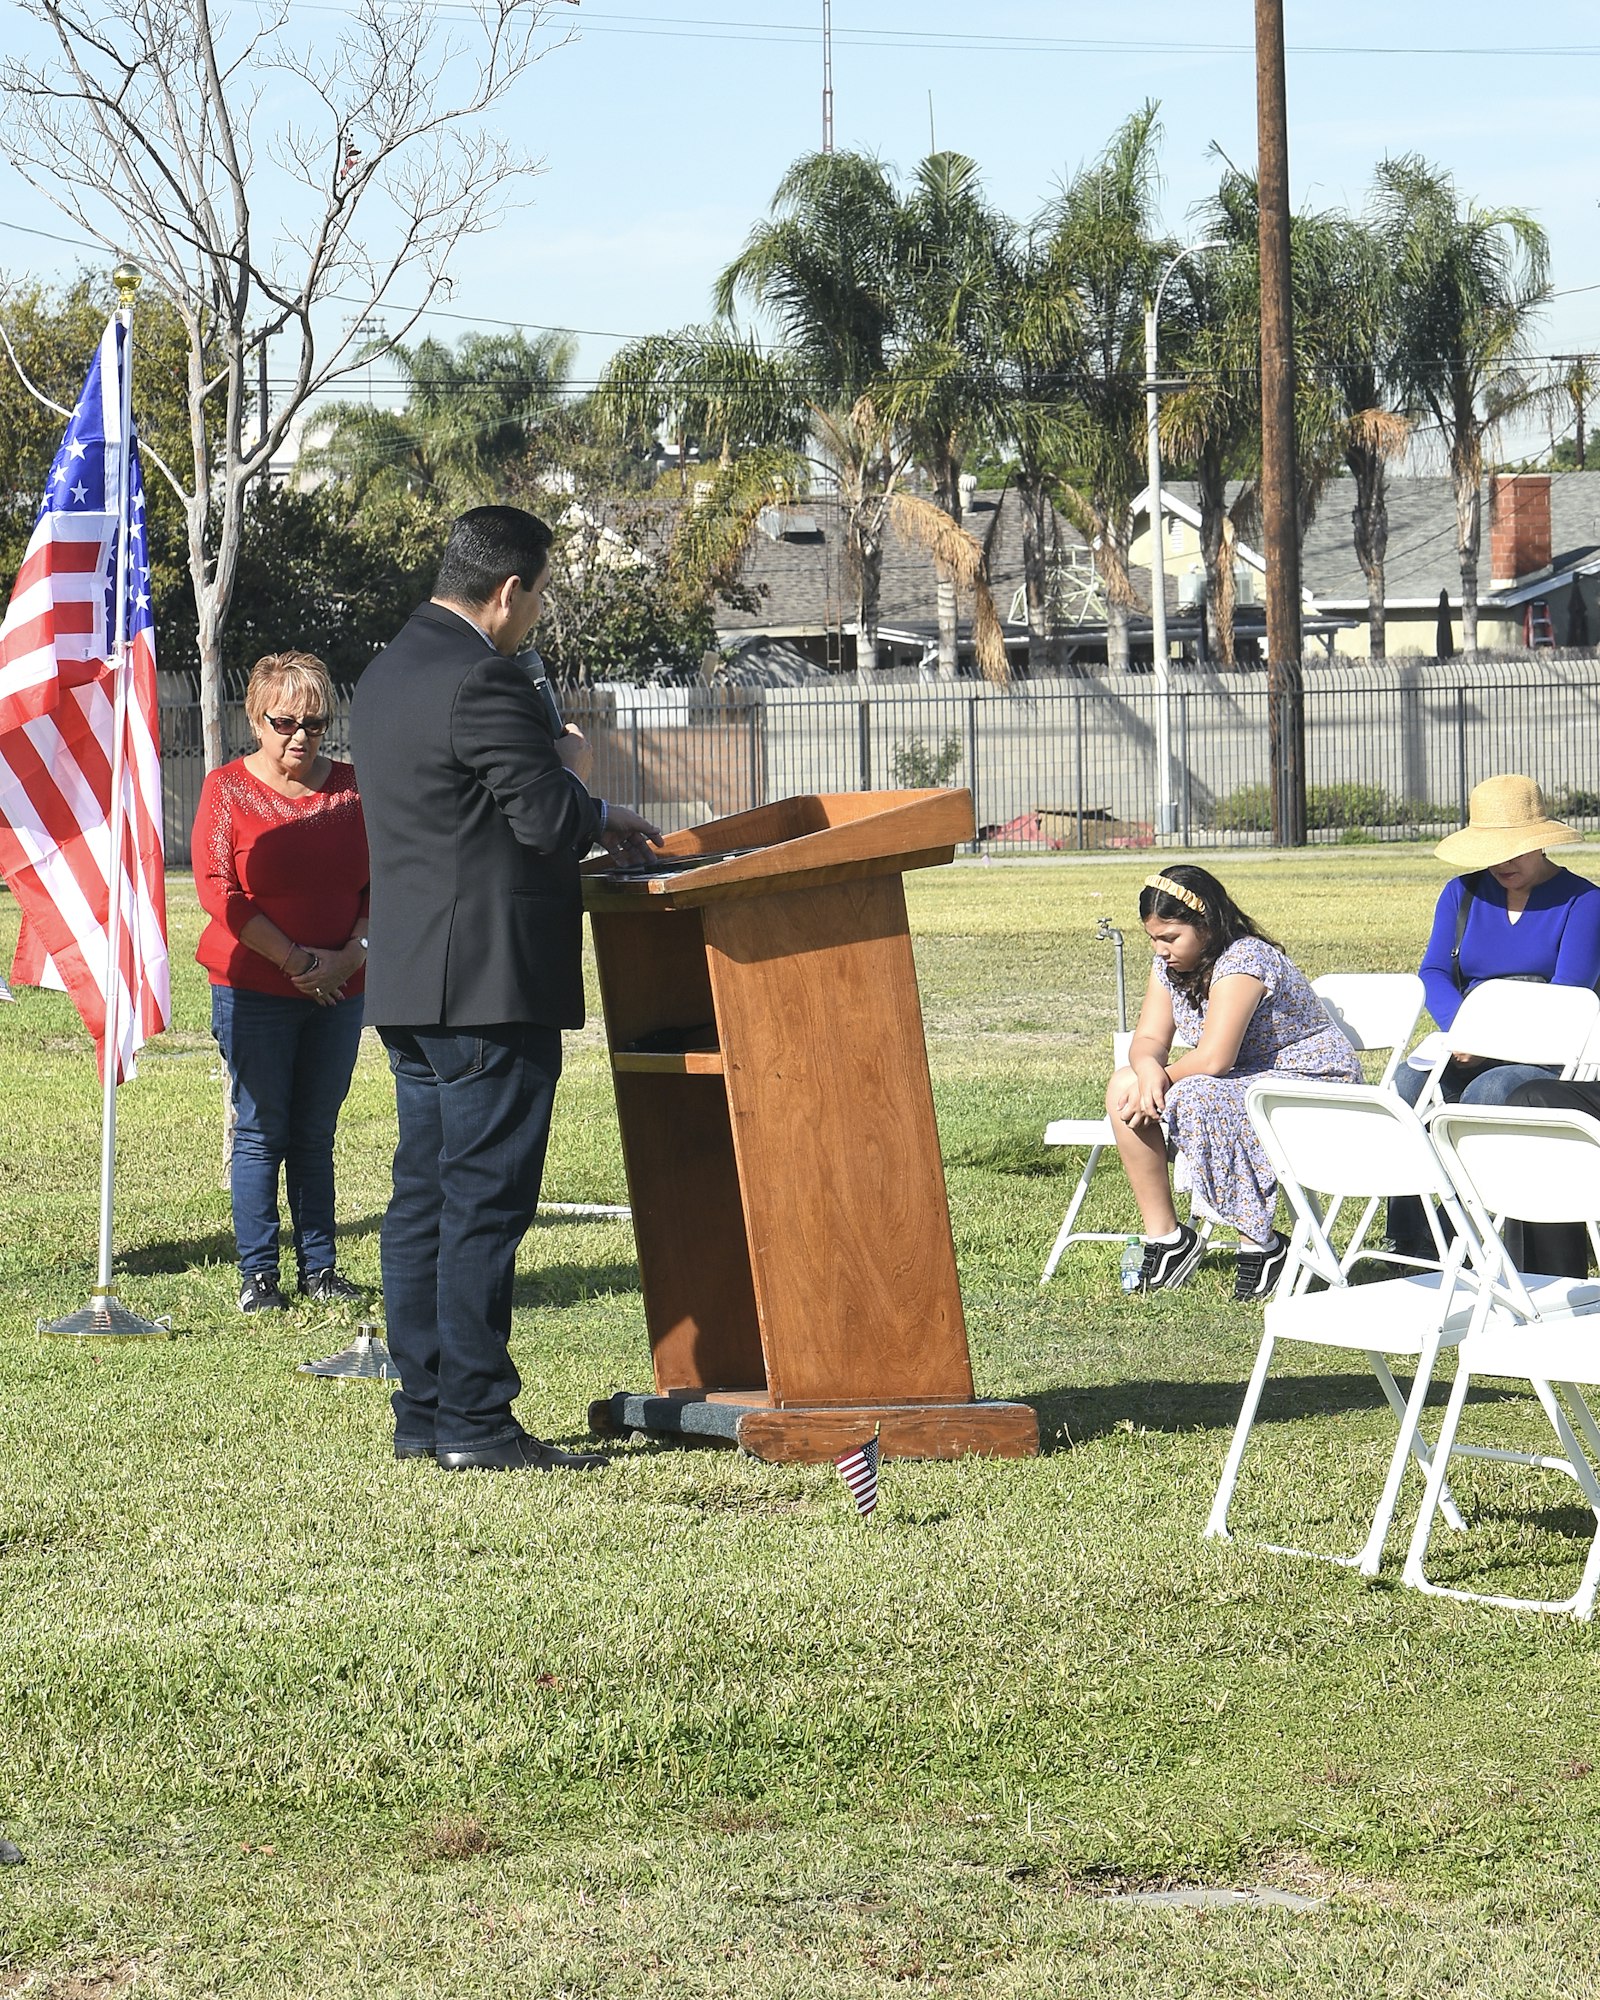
297 680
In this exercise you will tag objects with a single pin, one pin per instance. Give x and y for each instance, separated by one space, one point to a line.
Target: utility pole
1286 719
827 76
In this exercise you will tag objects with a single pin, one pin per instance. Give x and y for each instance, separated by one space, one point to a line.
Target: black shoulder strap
1463 911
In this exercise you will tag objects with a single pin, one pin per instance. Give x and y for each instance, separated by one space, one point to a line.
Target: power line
50 236
692 27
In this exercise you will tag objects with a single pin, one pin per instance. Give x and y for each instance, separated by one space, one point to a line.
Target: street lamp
1166 815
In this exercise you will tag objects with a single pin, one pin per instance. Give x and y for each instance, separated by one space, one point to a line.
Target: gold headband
1168 887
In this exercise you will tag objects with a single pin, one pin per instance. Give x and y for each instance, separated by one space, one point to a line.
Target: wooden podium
777 1122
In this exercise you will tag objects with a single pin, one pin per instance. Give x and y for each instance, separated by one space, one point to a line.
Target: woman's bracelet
315 964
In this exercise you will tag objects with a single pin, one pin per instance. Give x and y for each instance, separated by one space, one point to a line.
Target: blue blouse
1557 936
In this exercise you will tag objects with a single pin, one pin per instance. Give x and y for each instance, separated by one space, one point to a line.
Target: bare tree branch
37 394
381 172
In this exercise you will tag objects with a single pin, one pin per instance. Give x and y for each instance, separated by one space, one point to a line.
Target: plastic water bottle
1132 1265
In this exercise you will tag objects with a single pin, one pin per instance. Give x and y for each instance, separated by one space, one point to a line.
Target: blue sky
665 124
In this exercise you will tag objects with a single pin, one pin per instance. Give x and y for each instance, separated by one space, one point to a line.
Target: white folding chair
1374 1010
1543 1166
1332 1142
1588 1068
1518 1020
1095 1135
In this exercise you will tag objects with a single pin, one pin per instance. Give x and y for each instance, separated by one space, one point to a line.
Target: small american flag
859 1471
57 705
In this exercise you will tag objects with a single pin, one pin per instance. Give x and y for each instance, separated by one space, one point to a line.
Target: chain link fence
1392 748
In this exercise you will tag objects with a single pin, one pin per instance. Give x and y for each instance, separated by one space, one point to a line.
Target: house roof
804 583
1421 558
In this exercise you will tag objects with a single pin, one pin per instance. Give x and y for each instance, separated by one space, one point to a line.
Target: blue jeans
1491 1085
290 1062
474 1109
1460 1084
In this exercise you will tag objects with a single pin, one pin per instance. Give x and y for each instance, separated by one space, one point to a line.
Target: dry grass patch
105 1982
456 1837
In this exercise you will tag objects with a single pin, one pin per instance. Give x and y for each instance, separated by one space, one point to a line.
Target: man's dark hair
485 547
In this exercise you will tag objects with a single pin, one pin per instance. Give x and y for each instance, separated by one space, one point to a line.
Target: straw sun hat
1506 816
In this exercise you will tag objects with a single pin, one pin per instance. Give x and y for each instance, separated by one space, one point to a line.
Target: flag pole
105 1314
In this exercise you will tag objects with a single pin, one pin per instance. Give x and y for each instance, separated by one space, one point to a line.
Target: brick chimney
1519 526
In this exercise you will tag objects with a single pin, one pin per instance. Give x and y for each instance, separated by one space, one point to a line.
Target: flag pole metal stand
105 1317
366 1359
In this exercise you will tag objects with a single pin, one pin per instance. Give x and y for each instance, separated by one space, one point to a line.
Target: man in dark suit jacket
477 817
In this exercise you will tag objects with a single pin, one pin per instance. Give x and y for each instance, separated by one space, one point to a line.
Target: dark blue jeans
291 1062
474 1107
1462 1083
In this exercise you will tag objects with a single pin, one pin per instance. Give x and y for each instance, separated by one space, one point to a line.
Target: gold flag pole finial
127 278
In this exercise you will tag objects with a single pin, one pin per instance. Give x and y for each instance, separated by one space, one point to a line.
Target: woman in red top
280 866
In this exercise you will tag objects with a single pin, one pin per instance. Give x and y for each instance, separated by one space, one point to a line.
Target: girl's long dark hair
1222 923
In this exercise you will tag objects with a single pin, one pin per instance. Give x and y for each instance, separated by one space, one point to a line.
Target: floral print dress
1289 1035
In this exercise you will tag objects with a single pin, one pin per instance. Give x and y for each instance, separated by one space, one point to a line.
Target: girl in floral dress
1248 1011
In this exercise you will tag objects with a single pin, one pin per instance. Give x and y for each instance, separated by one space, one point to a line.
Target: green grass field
278 1716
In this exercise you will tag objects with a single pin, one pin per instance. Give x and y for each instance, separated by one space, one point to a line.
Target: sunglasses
286 725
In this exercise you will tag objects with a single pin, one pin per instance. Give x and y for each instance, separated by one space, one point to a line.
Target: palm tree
1101 250
1213 425
1360 326
961 561
1037 344
943 386
469 415
824 267
704 385
1215 421
1471 281
867 462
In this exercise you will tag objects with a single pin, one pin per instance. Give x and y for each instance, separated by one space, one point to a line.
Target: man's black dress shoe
403 1450
520 1454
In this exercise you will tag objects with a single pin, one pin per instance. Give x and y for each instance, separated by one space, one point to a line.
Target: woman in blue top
1515 914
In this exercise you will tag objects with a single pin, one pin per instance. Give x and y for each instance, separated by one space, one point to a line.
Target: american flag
859 1471
56 732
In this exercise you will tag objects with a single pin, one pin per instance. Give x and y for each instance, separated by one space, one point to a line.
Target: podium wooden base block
815 1435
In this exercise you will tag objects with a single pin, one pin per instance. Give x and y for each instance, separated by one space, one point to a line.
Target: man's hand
577 753
629 836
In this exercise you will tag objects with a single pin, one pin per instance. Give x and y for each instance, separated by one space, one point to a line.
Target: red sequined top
300 862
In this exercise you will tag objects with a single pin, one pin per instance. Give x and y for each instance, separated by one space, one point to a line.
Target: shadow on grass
1565 1521
1073 1416
573 1284
164 1259
168 1256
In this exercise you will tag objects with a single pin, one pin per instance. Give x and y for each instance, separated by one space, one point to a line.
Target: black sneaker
1258 1271
328 1288
1166 1266
259 1293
